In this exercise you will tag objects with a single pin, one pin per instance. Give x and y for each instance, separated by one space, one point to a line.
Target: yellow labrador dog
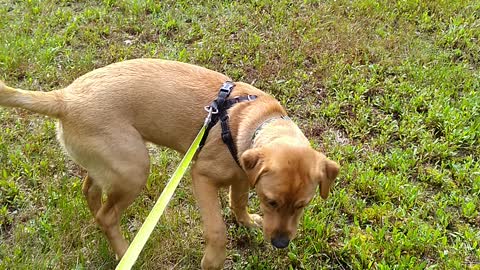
107 115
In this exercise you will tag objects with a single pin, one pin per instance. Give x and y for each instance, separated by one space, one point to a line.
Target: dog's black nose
280 241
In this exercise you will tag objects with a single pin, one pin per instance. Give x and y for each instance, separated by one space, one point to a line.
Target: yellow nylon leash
130 257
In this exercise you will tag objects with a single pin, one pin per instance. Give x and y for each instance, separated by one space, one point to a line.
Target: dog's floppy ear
330 172
253 164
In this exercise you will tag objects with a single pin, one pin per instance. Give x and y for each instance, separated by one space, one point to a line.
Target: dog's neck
280 130
274 129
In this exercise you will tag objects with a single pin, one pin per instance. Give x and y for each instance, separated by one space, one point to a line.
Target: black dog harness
218 110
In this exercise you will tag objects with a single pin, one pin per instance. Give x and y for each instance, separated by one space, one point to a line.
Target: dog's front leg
214 228
239 205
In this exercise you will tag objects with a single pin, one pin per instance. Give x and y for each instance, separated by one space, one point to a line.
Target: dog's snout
280 241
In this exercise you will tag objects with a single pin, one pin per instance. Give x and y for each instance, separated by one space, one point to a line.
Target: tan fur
48 103
106 116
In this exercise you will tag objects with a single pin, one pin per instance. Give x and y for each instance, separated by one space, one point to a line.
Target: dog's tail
48 103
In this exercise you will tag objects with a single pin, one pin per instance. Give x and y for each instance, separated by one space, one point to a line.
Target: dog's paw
214 258
249 220
256 221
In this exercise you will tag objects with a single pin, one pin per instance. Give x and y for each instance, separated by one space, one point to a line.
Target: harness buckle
227 86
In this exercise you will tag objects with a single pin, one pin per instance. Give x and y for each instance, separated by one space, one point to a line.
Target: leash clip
211 111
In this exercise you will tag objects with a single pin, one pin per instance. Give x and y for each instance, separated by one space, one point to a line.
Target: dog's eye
272 204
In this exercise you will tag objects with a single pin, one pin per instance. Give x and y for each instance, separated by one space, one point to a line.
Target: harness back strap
219 109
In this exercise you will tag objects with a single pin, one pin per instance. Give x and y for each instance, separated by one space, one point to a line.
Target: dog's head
285 178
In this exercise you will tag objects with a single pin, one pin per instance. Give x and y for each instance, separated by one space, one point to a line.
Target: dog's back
142 92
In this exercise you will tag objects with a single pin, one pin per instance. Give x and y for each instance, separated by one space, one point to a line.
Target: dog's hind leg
93 194
118 164
108 217
239 205
129 164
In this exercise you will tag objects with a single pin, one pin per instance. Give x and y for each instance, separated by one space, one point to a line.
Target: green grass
390 89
